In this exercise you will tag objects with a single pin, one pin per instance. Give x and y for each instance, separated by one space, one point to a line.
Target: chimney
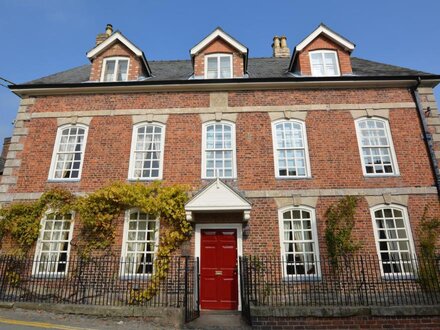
280 48
102 36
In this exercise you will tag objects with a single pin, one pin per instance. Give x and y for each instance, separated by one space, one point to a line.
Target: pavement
216 320
21 319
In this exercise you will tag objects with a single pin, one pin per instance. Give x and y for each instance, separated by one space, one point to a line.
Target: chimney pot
109 30
283 42
275 45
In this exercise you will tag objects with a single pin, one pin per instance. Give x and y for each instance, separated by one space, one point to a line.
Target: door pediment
217 196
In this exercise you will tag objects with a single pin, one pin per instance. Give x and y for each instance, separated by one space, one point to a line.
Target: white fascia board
115 36
322 29
212 36
217 208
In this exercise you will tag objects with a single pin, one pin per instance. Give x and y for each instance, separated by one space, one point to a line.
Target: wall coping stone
301 311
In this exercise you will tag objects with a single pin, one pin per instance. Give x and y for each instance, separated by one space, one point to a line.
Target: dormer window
218 66
324 63
115 69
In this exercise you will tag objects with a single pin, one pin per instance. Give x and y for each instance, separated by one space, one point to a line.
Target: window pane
147 152
299 243
376 147
69 155
317 64
290 153
212 68
330 64
393 245
140 240
53 247
218 149
122 70
109 70
225 67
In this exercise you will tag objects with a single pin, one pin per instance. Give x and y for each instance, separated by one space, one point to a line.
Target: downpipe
427 136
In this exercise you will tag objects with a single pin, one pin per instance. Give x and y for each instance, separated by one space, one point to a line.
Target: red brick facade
333 147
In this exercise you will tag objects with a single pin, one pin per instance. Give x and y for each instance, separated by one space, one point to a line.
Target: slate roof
264 67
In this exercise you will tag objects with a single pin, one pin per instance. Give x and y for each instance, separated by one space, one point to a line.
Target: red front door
218 269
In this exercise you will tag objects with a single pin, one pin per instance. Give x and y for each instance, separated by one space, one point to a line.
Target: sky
42 37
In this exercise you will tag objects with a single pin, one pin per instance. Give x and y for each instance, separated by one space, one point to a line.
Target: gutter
192 85
427 136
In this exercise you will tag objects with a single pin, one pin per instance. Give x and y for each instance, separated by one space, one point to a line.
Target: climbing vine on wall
429 232
338 232
21 221
98 213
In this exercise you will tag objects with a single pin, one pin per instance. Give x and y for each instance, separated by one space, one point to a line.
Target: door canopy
218 196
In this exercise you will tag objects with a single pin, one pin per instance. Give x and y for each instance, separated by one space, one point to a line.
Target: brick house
267 145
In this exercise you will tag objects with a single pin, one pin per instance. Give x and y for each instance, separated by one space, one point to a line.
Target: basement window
218 66
115 69
324 63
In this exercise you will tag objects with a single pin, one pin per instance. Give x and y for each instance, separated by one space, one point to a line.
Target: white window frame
322 52
117 59
233 147
317 261
394 163
218 55
38 248
131 168
305 147
407 225
124 251
56 151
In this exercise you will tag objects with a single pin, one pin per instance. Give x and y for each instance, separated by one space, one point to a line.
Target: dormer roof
218 33
113 38
327 32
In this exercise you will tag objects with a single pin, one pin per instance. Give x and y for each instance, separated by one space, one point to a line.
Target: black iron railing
103 280
350 281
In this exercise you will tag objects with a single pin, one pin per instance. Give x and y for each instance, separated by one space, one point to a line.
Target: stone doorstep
298 311
173 317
